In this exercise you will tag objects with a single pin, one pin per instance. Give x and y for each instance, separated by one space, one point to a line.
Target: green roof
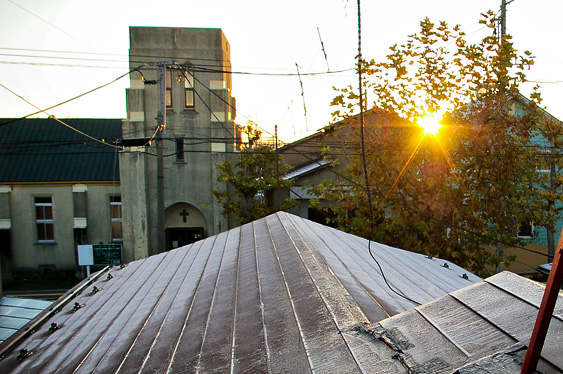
44 150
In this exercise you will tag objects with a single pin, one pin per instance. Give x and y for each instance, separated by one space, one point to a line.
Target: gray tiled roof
43 150
281 294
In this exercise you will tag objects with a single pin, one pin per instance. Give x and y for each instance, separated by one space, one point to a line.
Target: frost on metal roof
16 312
483 328
281 294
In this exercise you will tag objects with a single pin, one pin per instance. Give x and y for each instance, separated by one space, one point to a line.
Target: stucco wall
28 255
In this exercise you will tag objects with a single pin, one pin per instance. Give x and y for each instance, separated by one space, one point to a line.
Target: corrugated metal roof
305 169
483 328
43 150
281 294
16 312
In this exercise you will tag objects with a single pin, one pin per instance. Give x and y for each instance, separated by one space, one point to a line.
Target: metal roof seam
262 306
366 263
194 252
235 311
277 311
220 272
154 308
322 275
441 331
113 329
453 295
395 256
43 317
322 240
350 272
296 316
318 276
178 340
492 281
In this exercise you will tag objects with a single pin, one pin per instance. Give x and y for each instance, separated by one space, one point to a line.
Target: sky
51 51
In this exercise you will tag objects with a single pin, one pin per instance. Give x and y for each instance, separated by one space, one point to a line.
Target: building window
44 220
180 150
189 92
116 219
168 93
526 230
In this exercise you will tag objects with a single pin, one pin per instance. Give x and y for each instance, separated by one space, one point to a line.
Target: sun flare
430 123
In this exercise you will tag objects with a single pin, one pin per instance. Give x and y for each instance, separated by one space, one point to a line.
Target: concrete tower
199 133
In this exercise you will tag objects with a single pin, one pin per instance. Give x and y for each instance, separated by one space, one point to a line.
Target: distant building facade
199 133
58 189
323 156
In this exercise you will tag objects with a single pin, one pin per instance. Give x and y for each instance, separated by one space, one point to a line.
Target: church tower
180 98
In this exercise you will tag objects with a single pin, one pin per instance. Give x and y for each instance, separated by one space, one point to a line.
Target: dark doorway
178 237
5 251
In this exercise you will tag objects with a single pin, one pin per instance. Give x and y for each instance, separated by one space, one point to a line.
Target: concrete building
198 132
58 189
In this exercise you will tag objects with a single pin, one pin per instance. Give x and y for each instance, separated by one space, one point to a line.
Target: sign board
85 255
107 254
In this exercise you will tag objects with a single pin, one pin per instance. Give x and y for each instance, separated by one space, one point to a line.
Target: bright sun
430 123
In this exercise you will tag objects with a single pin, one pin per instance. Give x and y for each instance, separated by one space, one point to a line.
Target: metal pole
161 239
545 313
502 21
277 191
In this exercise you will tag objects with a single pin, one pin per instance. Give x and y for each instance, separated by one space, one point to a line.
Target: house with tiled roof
59 188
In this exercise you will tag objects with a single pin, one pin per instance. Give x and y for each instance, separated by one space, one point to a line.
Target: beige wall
27 254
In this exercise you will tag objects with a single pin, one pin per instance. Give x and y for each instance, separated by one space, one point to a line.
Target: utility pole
502 21
161 125
277 201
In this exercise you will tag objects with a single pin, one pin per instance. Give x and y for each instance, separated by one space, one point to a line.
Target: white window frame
46 207
115 201
189 91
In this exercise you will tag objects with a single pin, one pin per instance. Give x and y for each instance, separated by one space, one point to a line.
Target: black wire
364 162
298 152
74 98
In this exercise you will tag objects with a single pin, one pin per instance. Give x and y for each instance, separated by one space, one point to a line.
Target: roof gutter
32 326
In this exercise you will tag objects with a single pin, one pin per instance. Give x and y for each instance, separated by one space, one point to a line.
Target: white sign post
86 257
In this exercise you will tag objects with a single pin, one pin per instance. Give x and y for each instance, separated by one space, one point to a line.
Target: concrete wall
208 131
74 205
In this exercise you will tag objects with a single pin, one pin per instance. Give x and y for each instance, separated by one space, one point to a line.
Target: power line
233 138
66 101
56 119
143 59
50 24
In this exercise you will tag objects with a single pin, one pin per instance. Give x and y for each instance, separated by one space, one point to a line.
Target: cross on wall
184 213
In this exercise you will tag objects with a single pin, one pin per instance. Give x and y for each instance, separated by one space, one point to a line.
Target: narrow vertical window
189 92
44 220
526 230
168 93
116 219
180 150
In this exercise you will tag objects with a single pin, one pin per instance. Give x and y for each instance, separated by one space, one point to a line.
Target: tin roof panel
281 294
